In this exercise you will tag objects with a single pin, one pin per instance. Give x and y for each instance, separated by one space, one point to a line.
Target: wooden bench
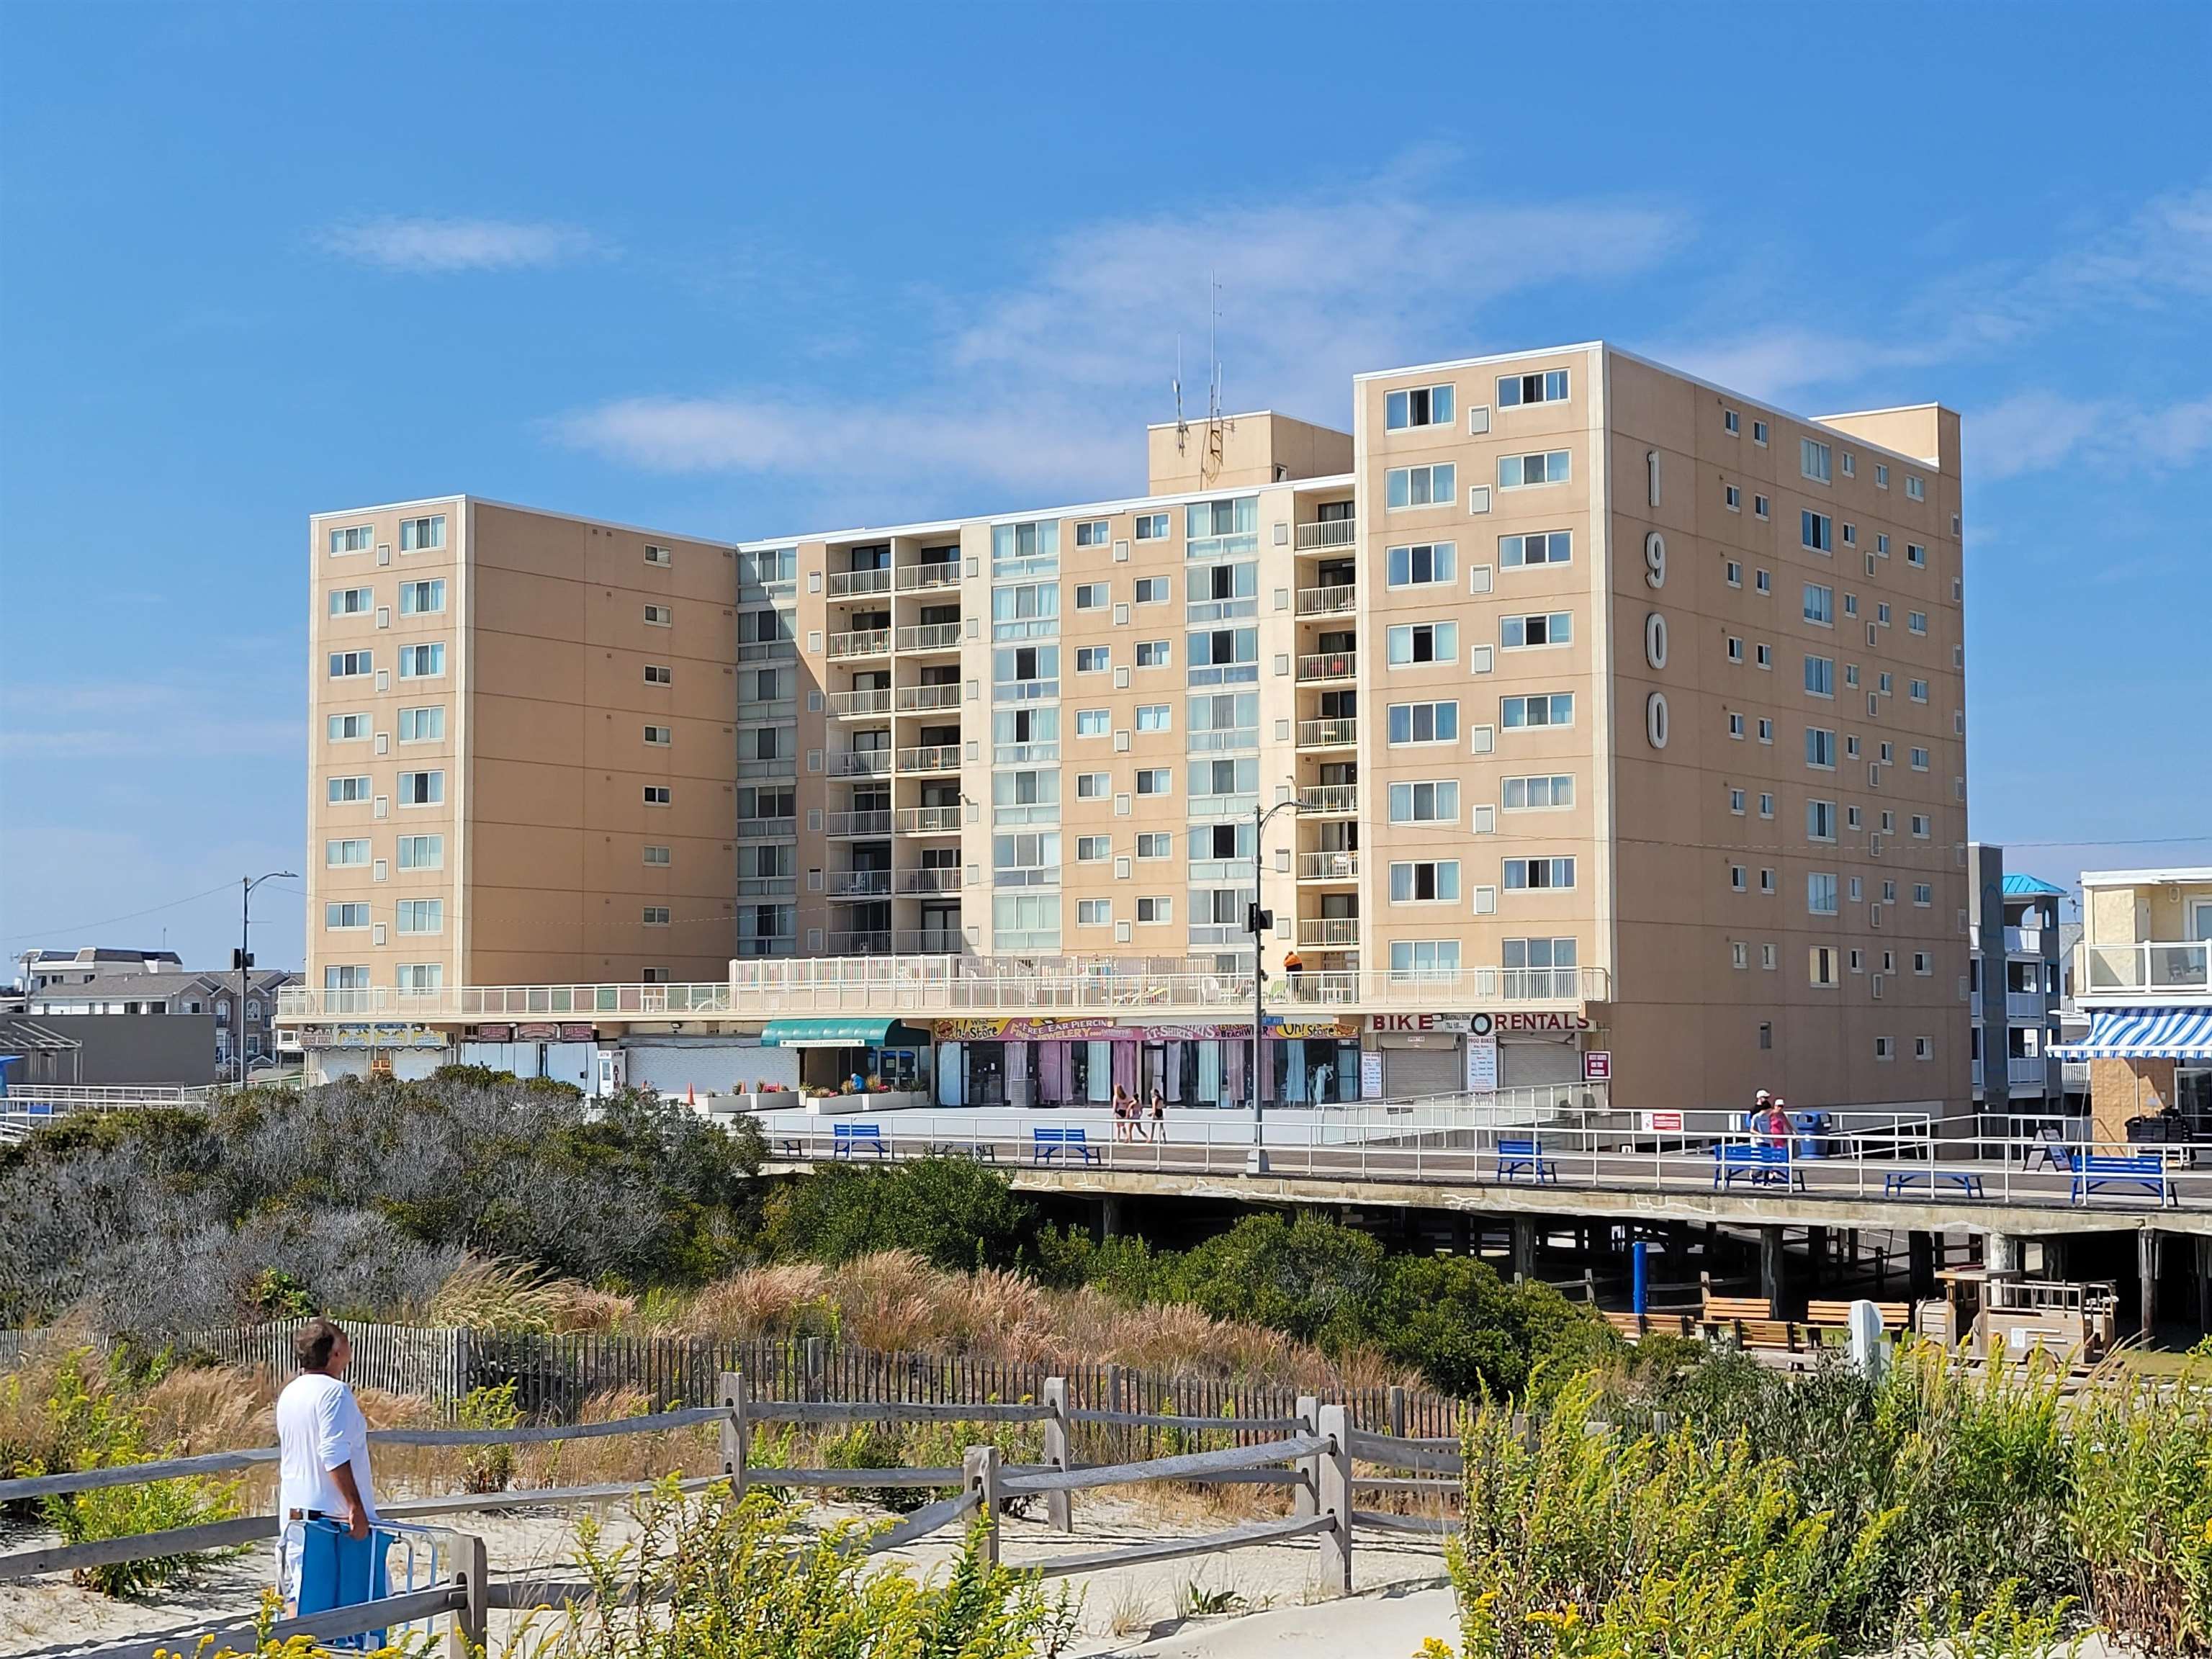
1898 1182
1895 1315
1635 1326
1763 1166
1047 1144
2144 1169
844 1136
1523 1157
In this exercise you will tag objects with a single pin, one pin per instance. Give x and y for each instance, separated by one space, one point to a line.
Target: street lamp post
246 884
1255 1162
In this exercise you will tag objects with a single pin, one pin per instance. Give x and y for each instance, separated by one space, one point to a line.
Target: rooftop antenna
1182 427
1215 444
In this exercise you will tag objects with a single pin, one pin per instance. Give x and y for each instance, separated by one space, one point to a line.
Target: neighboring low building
78 1051
212 994
2144 976
2013 989
91 965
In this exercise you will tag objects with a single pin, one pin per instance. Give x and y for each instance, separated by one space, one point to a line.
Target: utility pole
1258 920
246 884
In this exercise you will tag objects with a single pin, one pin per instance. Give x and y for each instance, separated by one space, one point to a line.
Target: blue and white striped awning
2144 1034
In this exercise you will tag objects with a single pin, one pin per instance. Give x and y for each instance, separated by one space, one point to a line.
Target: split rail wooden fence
1308 1446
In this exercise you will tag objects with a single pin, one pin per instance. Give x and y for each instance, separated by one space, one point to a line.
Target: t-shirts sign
1482 1064
1371 1074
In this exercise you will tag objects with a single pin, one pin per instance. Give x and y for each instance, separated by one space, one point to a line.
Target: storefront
1080 1062
879 1054
411 1052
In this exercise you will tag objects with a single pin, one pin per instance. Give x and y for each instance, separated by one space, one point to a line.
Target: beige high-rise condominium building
1620 713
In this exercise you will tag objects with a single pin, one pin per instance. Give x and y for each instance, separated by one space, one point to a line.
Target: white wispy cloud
1047 385
150 719
2033 431
433 245
2155 257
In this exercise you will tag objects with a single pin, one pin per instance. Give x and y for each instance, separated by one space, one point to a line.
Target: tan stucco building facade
1603 694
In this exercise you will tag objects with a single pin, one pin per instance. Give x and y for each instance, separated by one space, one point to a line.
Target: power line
87 926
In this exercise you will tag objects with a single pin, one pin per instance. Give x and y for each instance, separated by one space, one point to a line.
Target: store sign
494 1034
542 1032
1483 1024
1597 1066
1482 1066
580 1034
372 1036
1108 1030
1371 1074
1662 1124
1397 1024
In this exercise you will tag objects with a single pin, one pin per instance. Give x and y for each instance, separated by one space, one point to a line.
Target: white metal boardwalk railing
930 986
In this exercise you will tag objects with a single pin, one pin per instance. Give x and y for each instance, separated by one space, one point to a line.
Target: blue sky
736 272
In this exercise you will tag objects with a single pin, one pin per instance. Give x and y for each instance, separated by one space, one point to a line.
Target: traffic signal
1257 920
239 959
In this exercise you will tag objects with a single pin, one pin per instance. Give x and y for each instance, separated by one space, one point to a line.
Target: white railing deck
930 986
2163 967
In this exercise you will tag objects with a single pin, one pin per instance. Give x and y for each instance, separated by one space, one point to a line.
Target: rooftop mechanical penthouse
1615 712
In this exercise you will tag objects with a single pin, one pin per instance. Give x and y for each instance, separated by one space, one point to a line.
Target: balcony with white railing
865 824
1328 933
1328 533
762 987
2026 1071
854 705
2024 941
2163 970
930 757
926 699
1329 799
927 820
1338 600
1329 867
855 584
2027 1005
930 636
933 878
1328 734
876 942
860 763
862 642
1314 666
857 883
924 578
767 829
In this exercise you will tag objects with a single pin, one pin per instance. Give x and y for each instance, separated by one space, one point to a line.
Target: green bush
92 1426
722 1581
951 1211
489 1468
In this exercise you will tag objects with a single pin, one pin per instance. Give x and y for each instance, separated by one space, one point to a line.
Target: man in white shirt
323 1441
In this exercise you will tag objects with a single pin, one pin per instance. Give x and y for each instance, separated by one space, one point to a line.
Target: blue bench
1524 1158
1049 1143
1898 1182
2144 1169
1763 1166
844 1136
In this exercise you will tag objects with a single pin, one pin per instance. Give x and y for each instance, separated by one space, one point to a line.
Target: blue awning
2144 1034
862 1032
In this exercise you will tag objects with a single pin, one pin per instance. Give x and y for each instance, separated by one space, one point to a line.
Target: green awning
856 1033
